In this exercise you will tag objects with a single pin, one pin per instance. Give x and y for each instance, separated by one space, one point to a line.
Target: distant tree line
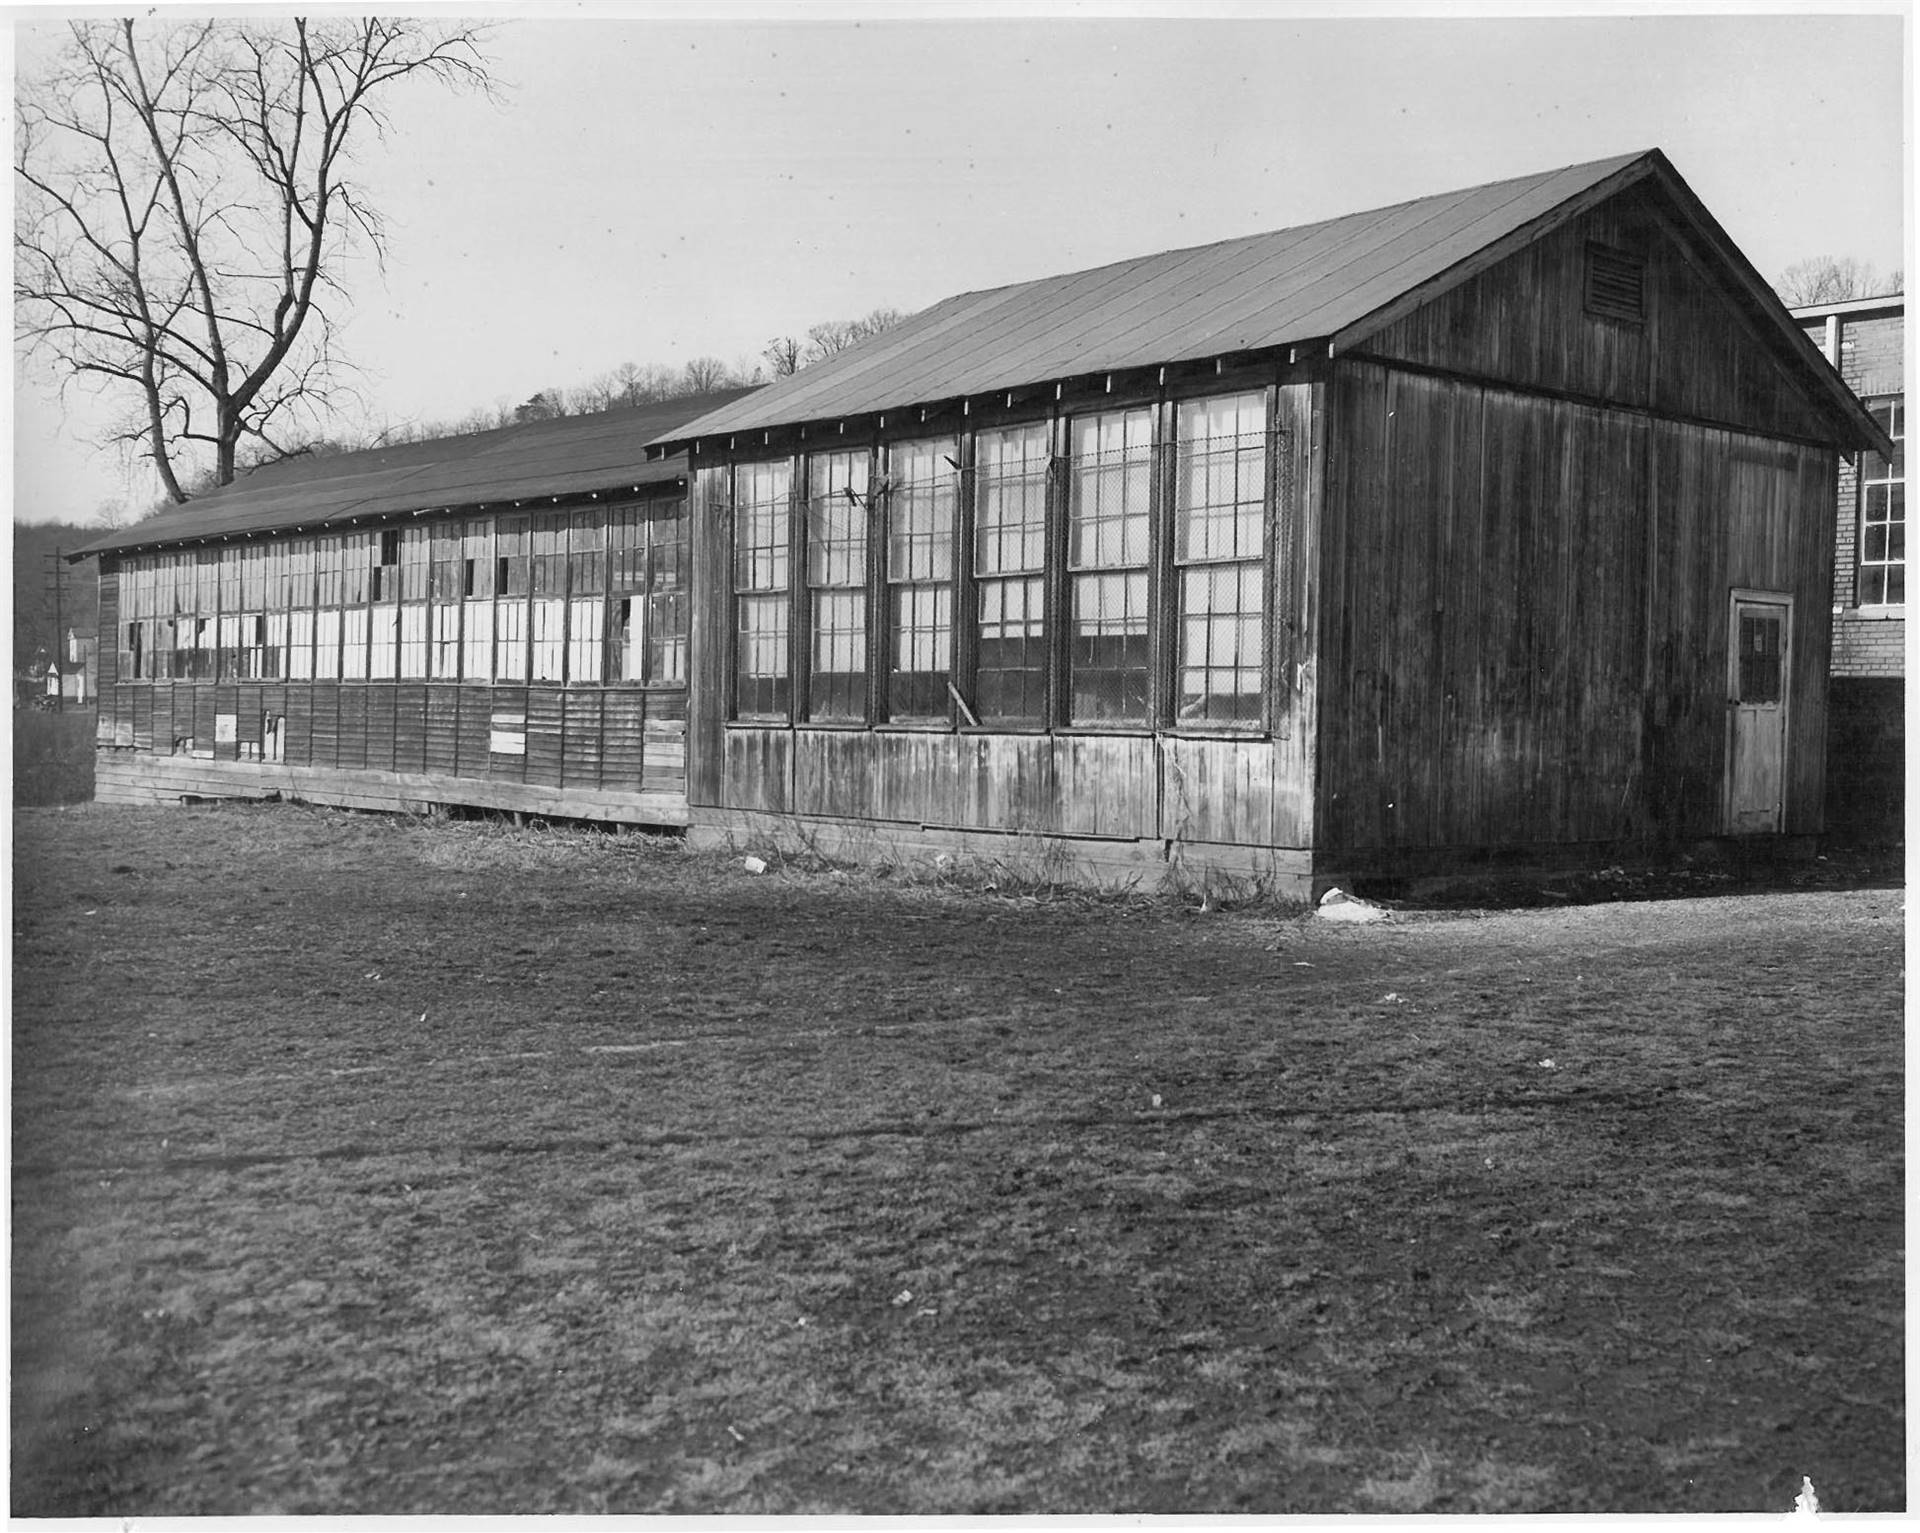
1835 279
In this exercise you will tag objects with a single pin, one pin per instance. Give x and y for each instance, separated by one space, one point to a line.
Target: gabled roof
537 461
1327 284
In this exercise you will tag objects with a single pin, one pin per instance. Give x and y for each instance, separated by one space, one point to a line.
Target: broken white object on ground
754 865
1338 905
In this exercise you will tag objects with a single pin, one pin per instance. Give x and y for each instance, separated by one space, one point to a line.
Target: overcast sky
654 190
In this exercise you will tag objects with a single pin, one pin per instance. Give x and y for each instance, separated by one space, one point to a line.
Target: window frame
1892 479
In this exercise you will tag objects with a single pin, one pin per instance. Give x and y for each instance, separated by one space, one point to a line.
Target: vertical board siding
580 739
1528 638
199 719
756 767
503 704
546 725
410 727
1697 353
225 702
324 728
623 740
299 726
106 636
710 753
382 709
1106 785
443 729
143 718
352 739
473 730
249 709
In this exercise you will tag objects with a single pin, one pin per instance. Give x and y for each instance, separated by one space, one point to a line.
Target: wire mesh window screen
837 512
1109 505
1011 471
923 502
1219 541
1760 635
1881 573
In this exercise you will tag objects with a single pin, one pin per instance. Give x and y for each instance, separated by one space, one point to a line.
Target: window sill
1887 613
914 727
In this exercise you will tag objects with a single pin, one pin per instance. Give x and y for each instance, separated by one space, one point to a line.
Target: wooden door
1759 665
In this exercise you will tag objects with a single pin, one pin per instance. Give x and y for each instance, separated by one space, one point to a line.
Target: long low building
496 620
1494 525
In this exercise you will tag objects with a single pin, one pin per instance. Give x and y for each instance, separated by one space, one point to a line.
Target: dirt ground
368 1165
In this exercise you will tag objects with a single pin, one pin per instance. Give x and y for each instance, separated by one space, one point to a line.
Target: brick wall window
1880 570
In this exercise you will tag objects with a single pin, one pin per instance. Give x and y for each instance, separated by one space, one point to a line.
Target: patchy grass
370 1165
52 756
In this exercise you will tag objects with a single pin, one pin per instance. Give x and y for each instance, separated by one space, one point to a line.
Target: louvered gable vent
1616 284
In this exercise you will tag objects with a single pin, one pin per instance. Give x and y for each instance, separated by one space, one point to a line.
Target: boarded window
1220 521
1109 501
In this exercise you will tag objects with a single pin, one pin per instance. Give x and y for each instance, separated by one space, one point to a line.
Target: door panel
1759 663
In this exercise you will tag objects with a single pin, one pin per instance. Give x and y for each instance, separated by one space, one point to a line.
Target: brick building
1866 340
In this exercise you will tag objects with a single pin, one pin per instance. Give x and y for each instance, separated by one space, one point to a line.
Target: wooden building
1865 340
495 620
1491 525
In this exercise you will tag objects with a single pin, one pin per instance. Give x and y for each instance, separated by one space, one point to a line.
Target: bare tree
1830 279
836 335
705 374
783 355
185 195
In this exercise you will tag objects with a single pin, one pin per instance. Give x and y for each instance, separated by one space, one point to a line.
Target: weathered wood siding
1699 355
1525 633
1223 789
620 741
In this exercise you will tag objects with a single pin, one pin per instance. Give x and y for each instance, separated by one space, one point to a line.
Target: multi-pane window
1881 573
762 524
513 582
476 590
586 610
415 566
1109 506
837 512
667 612
922 504
1219 552
446 588
549 590
1009 567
